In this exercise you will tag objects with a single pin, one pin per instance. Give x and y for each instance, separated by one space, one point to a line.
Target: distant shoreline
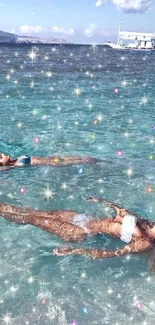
49 44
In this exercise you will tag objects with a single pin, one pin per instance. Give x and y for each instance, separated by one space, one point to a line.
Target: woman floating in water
139 234
23 161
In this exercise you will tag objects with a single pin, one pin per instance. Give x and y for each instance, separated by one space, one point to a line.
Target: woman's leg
59 161
55 222
10 211
78 160
66 231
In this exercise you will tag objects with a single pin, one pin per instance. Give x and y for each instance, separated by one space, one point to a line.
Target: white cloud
103 32
61 30
129 6
89 31
12 31
25 29
100 3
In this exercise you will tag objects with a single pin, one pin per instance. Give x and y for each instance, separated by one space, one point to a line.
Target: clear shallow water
38 98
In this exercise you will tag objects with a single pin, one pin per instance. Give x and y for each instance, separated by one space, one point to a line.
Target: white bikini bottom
128 227
82 220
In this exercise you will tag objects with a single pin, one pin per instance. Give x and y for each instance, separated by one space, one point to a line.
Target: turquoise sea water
56 97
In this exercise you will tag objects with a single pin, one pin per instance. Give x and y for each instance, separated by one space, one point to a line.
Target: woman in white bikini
137 233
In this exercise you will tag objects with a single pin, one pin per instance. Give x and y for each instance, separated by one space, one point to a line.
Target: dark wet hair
145 223
151 262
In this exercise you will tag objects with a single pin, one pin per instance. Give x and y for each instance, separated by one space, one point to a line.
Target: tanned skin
60 223
57 161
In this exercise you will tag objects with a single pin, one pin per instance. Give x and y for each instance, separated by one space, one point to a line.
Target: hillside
9 38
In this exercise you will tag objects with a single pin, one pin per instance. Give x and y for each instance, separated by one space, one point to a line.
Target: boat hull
121 47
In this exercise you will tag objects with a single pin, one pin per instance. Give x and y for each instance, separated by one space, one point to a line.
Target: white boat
133 40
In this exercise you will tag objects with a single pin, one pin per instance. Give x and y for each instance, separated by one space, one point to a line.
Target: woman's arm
140 245
118 210
6 168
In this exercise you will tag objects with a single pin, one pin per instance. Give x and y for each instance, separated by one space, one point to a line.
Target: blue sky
78 21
